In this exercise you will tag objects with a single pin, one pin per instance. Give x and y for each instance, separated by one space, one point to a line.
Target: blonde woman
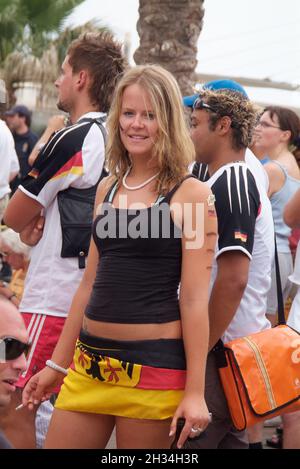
139 361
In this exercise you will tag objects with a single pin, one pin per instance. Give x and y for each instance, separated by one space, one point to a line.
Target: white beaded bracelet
56 367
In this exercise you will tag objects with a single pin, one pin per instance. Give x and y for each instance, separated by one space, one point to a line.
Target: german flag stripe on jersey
73 166
61 156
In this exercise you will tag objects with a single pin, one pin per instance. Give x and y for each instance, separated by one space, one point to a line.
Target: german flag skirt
135 379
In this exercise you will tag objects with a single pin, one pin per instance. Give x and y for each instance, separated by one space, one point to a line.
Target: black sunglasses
11 348
200 104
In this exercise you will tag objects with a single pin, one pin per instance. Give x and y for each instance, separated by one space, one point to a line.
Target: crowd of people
137 238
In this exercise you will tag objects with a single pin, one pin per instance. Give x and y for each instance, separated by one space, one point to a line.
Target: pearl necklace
134 188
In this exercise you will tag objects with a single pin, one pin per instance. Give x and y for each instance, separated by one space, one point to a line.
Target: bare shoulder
292 166
193 190
273 169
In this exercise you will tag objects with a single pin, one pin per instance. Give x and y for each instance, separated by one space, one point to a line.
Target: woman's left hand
197 417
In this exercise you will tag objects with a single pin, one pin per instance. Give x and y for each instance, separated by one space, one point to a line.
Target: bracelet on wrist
54 366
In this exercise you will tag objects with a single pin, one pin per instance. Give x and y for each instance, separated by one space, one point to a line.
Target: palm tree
169 31
28 25
27 30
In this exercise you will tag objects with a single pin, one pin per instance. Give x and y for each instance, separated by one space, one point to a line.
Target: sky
251 38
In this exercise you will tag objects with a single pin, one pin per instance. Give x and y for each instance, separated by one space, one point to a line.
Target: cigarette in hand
20 407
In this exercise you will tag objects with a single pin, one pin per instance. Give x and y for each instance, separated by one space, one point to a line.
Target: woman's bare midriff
108 330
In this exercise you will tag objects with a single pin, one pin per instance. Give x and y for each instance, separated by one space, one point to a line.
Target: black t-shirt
237 205
200 170
24 144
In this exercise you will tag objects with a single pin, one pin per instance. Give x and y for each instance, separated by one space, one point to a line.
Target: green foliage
29 25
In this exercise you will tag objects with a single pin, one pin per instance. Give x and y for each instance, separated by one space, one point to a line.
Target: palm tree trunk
169 31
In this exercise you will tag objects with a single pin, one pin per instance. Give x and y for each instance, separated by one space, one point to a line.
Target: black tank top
139 270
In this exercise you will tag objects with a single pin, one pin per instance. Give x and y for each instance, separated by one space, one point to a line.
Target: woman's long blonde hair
173 149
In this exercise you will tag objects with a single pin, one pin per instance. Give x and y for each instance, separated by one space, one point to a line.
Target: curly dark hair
242 113
102 56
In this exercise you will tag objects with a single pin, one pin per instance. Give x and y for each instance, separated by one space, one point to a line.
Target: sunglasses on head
200 104
11 348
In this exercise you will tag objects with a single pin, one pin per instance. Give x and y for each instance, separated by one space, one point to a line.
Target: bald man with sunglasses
14 344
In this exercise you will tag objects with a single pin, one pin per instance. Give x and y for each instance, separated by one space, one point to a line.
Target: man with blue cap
222 123
200 170
223 84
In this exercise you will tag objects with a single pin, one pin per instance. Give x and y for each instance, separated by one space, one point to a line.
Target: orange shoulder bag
260 373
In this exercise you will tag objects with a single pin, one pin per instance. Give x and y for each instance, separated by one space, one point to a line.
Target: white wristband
56 367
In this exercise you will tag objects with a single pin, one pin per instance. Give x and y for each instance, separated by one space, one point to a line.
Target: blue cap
18 109
225 84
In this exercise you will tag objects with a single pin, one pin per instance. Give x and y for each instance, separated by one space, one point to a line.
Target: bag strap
218 349
280 303
99 121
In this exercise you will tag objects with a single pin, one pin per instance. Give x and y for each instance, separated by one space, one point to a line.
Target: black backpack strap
80 203
99 121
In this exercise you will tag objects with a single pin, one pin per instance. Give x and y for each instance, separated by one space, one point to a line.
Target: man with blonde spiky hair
222 122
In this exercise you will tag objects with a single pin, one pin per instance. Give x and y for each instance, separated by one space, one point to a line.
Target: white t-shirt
257 169
73 157
9 162
245 223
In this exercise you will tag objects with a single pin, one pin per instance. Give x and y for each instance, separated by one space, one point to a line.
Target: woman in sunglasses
140 358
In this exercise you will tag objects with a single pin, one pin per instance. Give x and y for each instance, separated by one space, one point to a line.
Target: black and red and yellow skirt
141 379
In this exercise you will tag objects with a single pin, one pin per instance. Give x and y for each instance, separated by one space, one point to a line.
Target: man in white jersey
222 123
200 169
8 157
72 158
9 168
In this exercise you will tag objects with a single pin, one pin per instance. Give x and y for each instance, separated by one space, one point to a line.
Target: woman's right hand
41 386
